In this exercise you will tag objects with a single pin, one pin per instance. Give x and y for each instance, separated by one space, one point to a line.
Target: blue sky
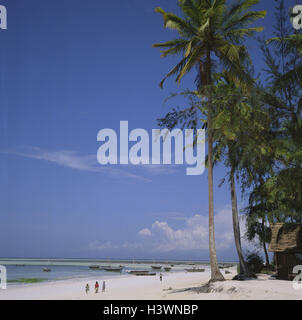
68 69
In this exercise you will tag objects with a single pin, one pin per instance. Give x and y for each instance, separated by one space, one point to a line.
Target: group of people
96 287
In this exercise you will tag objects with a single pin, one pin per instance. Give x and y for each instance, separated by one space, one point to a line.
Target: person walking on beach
87 288
96 287
104 286
160 277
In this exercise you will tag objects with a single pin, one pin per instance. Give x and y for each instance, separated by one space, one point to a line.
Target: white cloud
145 232
73 160
160 169
192 235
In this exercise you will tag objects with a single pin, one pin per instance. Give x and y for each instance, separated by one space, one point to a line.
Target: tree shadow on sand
212 287
205 288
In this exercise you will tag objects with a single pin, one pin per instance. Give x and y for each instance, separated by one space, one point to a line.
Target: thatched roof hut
286 238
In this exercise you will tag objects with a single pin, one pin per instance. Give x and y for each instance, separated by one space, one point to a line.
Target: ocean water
63 269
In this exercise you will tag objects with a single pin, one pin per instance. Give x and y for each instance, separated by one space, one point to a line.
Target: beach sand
178 285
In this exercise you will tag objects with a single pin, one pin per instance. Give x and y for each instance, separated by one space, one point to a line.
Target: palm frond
172 21
238 34
241 6
192 59
243 20
174 46
174 71
190 10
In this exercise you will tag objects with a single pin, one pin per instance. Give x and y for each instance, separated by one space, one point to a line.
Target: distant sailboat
47 269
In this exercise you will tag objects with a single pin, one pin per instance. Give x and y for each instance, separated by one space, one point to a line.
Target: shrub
254 262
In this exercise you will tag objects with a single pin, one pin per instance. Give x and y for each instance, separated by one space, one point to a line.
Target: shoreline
175 286
25 273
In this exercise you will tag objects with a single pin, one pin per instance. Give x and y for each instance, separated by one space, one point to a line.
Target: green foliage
254 262
277 186
209 27
209 32
257 229
256 128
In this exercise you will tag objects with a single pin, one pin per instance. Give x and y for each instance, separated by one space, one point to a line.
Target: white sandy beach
180 285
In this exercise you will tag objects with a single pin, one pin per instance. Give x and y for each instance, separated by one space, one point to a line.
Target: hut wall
285 263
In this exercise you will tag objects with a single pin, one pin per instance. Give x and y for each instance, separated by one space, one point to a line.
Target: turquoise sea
21 271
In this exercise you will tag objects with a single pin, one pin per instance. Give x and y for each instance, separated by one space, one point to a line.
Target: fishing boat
139 272
167 268
113 269
142 273
195 270
156 267
47 269
95 267
148 274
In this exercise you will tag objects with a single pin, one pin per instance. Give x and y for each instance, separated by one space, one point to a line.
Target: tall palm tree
238 121
209 31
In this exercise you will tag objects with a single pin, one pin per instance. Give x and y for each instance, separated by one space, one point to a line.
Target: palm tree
238 122
209 29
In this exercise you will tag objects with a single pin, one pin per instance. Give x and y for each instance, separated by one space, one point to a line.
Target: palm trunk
264 244
243 267
216 275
